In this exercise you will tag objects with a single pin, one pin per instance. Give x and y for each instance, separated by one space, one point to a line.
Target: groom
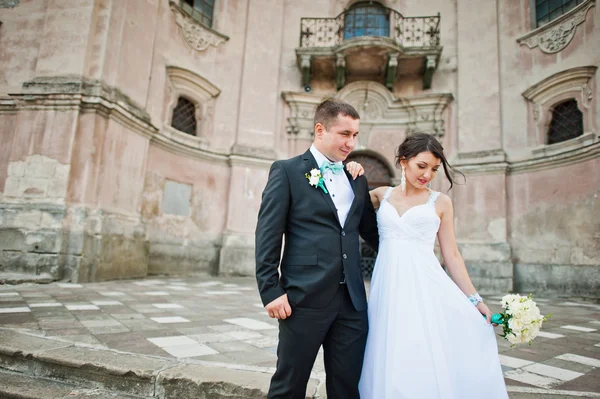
319 298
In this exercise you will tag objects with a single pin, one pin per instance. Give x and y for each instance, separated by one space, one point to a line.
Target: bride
427 336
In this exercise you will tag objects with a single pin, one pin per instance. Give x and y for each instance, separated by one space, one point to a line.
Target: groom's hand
279 308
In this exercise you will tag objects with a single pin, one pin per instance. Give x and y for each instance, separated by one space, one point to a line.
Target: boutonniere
315 179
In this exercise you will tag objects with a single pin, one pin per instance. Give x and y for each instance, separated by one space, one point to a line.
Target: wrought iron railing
408 32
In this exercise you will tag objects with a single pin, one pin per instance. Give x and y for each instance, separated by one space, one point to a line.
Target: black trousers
343 333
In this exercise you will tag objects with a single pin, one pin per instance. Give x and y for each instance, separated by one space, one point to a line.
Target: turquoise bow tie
333 167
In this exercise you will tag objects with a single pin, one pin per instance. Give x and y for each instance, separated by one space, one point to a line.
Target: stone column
256 136
481 205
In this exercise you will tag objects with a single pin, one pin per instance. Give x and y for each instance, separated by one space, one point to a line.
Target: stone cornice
240 160
579 154
77 93
196 35
578 150
168 144
557 34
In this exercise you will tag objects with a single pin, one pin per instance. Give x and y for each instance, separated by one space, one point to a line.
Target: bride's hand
355 169
484 310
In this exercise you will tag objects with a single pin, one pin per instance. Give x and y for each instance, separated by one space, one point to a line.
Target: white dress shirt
338 186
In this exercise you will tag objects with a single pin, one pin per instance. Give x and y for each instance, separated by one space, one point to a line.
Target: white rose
315 172
515 324
314 180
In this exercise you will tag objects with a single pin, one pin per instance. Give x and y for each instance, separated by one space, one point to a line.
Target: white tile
552 372
242 335
259 305
184 351
579 328
167 306
230 285
45 305
264 342
221 292
588 361
595 322
82 307
211 337
513 362
148 283
69 285
34 295
178 288
178 283
208 284
107 303
15 310
597 345
172 341
156 293
246 289
546 334
166 320
112 293
100 323
250 324
9 294
532 379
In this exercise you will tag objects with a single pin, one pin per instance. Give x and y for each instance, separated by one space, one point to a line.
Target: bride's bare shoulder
379 192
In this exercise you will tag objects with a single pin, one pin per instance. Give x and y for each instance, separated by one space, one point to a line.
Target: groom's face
338 140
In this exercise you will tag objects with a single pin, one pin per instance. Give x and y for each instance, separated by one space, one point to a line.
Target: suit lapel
355 201
311 163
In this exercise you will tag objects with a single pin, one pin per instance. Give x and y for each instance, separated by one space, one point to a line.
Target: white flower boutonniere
315 179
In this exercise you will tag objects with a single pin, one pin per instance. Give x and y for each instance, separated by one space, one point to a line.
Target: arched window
184 116
201 10
566 123
366 18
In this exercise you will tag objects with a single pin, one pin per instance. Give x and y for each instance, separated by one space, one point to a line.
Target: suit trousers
343 333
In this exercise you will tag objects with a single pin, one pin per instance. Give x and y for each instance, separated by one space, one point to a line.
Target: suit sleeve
368 222
270 228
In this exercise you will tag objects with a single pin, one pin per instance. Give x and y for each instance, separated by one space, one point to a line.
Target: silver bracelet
475 299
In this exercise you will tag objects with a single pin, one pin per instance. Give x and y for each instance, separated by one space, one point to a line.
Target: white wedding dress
426 340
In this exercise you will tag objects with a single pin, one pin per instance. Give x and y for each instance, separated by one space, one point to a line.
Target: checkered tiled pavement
221 320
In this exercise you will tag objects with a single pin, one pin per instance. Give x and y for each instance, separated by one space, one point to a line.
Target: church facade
136 137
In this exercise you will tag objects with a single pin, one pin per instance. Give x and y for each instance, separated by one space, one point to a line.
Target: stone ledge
90 367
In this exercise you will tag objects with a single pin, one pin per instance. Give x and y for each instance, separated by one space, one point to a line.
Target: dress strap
387 193
433 196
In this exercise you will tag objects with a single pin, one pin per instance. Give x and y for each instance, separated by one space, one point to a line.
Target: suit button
345 256
343 234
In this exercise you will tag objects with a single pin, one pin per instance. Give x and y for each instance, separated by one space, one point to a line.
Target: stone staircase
41 368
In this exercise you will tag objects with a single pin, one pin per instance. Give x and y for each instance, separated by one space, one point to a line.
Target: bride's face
421 169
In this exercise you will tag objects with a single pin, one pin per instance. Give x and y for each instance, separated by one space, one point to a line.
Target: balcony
368 42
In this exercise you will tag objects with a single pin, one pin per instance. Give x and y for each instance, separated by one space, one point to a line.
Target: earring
403 181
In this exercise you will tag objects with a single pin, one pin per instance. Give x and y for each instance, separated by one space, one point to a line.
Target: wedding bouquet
521 320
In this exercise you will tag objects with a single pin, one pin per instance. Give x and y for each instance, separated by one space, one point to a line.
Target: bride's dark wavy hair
417 143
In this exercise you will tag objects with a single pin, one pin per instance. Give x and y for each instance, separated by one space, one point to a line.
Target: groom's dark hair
329 109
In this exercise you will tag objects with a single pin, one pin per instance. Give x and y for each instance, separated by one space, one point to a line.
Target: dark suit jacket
318 252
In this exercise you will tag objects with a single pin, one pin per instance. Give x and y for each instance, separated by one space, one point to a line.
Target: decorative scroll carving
196 35
556 35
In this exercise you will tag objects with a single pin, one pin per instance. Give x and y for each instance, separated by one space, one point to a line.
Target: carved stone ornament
196 35
557 34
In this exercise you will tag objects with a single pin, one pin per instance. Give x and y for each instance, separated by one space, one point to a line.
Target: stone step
19 386
19 278
131 375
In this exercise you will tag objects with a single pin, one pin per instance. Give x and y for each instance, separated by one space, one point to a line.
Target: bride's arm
377 195
452 258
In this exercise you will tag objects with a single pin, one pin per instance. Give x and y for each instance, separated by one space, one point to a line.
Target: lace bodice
419 223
